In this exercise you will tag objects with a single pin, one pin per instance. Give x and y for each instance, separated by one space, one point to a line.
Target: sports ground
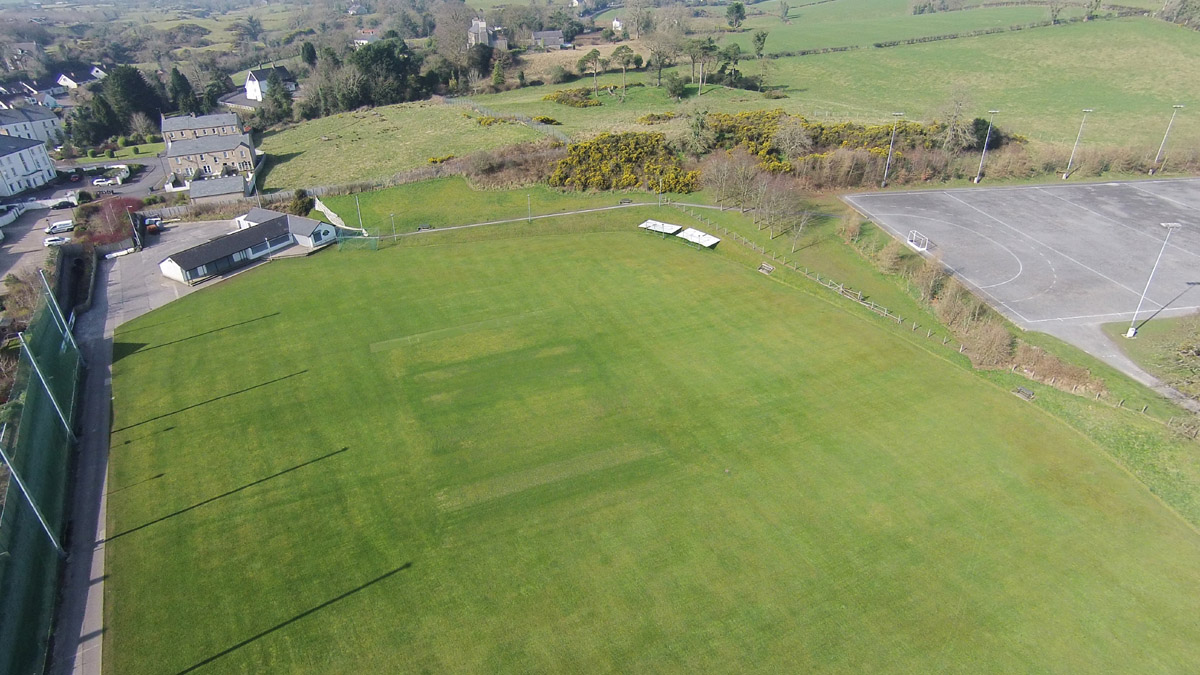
1061 259
508 449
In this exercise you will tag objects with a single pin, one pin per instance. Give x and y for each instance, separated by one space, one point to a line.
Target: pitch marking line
1117 222
1051 248
1111 314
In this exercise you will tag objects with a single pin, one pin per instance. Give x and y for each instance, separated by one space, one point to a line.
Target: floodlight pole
12 470
987 139
46 385
393 217
1163 146
891 145
529 204
358 208
1071 161
1171 227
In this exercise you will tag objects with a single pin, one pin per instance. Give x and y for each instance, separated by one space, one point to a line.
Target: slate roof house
211 155
35 121
256 81
184 127
547 39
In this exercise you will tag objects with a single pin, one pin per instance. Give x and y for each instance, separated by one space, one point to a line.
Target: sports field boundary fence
36 441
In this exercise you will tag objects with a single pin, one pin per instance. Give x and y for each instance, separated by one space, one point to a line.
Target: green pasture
377 143
584 447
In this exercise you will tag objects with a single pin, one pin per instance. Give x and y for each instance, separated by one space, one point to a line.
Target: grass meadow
379 142
583 447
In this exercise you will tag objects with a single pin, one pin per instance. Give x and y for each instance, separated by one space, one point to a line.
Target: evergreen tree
128 92
181 92
309 54
498 75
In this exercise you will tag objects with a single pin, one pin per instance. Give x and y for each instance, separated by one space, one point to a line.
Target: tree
249 29
1056 8
675 85
636 11
308 54
479 59
142 125
708 54
792 139
128 92
498 75
623 56
450 33
180 91
784 8
760 43
664 49
277 102
391 73
591 60
735 14
717 174
959 132
803 218
302 204
700 138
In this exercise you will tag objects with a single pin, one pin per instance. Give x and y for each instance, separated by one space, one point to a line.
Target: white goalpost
918 241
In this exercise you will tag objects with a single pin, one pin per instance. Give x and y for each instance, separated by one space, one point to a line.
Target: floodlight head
897 114
1088 110
1172 226
993 111
1177 106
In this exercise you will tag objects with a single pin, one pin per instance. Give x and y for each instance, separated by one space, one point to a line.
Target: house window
258 248
317 234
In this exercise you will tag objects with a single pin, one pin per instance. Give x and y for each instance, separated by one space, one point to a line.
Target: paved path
126 288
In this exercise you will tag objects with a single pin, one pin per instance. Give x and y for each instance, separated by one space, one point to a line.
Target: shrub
109 153
301 204
576 98
774 94
619 161
486 121
93 153
542 119
558 75
136 150
83 197
440 160
657 118
123 142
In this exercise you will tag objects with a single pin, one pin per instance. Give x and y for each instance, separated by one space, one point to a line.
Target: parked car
63 205
104 181
76 177
153 220
55 241
60 226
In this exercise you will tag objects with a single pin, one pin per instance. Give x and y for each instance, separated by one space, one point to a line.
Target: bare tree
717 175
959 133
784 8
792 139
140 124
803 219
745 176
1056 8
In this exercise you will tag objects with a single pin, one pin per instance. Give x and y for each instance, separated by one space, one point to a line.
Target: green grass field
589 448
1158 350
377 143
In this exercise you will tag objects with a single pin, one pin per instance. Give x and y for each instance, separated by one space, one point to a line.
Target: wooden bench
766 269
1023 393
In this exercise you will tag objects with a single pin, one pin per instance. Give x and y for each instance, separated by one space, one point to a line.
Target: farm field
1038 78
376 143
602 448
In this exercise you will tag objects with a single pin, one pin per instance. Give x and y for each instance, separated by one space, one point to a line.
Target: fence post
12 471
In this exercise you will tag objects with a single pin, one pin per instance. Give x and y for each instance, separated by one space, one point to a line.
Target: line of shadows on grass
124 349
144 480
225 494
211 400
301 615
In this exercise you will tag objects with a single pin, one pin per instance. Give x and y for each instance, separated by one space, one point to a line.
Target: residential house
256 240
618 26
185 127
211 155
547 39
76 79
34 121
24 164
366 37
217 190
46 85
480 34
256 81
356 9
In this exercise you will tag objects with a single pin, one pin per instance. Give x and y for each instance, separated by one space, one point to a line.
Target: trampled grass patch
609 451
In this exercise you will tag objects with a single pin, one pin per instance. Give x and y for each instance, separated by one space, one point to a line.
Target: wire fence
34 435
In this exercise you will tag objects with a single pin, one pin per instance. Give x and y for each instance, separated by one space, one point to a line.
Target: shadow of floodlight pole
1187 287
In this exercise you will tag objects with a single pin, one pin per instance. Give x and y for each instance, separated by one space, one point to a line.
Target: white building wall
45 131
254 91
171 271
25 169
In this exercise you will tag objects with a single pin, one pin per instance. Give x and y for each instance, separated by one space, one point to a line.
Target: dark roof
11 144
264 74
298 225
188 122
227 245
23 114
214 187
193 146
80 77
542 34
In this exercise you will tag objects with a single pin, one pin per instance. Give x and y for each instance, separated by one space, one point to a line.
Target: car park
60 226
55 241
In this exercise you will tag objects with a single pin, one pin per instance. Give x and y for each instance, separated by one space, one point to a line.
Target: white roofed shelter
697 237
656 226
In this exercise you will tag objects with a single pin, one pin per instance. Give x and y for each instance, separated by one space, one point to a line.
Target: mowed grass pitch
537 432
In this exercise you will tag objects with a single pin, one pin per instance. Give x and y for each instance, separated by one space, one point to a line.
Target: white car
60 226
55 241
105 181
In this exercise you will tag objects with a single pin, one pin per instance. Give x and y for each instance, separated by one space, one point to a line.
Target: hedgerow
542 119
620 161
657 118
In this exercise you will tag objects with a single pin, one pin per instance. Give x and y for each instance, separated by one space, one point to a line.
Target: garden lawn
377 143
603 450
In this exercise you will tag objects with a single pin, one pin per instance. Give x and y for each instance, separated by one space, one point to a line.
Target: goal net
918 241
